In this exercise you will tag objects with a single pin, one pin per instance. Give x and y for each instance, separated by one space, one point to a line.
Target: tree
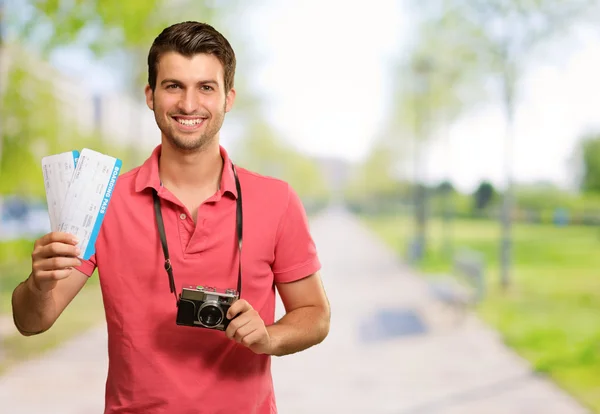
437 82
590 160
445 188
483 196
506 34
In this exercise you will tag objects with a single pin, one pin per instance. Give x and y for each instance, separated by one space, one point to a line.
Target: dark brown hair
188 39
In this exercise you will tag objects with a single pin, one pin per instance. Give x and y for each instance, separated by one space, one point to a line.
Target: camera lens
210 315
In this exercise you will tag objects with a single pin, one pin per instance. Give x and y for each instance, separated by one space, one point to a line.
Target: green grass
551 312
84 312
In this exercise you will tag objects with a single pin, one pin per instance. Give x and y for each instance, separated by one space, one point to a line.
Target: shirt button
182 216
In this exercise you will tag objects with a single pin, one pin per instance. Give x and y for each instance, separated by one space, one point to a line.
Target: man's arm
35 311
53 283
306 322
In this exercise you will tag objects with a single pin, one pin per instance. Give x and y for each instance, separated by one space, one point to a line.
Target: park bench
465 286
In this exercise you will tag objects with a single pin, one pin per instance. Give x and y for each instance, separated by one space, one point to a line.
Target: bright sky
324 69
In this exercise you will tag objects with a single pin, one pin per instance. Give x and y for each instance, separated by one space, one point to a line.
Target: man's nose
189 101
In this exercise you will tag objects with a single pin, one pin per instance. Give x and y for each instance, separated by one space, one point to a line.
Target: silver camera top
203 293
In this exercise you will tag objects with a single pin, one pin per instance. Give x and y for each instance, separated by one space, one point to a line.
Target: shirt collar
148 177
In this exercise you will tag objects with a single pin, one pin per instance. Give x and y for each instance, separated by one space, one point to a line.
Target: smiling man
228 239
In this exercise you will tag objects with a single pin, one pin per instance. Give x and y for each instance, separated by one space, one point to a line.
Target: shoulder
270 188
269 196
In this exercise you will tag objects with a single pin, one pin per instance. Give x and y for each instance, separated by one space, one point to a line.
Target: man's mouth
189 122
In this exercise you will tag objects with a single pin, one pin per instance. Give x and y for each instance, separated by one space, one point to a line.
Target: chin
189 143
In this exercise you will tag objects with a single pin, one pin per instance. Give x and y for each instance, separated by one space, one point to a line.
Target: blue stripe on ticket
91 246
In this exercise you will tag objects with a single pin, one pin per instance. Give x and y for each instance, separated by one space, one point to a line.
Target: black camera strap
163 236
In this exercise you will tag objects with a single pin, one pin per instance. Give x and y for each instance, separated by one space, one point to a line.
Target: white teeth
190 122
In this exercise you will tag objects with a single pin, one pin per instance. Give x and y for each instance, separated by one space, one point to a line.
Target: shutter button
182 216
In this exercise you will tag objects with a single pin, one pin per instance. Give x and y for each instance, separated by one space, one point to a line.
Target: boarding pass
87 197
58 170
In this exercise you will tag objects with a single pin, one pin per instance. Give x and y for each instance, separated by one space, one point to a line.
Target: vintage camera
205 307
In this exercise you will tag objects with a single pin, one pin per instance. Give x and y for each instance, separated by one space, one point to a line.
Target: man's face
189 101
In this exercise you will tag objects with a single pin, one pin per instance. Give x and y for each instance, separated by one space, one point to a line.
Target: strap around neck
163 237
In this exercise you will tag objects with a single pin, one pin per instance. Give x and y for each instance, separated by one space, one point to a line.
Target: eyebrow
203 82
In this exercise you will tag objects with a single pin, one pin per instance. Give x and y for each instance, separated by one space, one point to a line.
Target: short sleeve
295 251
88 266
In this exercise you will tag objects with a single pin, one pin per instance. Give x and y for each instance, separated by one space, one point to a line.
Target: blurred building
116 118
122 120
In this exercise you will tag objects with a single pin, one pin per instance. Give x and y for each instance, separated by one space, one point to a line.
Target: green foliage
30 130
533 203
590 154
98 25
550 198
483 195
445 187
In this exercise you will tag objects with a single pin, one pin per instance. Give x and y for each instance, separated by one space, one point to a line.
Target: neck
191 170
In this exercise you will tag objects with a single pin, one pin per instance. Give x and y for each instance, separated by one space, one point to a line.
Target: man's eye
207 88
172 86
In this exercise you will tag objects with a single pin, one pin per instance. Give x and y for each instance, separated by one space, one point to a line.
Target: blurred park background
443 124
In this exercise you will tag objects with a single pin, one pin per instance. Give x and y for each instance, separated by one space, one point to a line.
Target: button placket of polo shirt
186 228
200 234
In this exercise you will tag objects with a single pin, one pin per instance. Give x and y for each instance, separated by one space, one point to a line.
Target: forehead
189 69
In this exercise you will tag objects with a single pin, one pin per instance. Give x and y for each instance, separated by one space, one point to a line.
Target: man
157 365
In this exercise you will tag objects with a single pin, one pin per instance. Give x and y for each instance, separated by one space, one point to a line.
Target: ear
149 97
229 100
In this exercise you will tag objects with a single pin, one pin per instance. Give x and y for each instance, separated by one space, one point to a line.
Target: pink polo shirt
156 366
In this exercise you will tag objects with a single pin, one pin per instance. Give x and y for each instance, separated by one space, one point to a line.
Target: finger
56 263
58 249
236 324
252 338
244 331
57 237
51 275
239 306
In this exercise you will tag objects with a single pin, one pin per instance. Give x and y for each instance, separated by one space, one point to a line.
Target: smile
189 123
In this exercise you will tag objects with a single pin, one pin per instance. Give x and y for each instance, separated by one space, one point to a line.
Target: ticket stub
88 197
58 170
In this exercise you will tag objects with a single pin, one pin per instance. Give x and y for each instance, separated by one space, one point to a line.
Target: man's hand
54 255
248 328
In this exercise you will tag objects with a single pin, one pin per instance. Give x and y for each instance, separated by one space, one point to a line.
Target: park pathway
391 350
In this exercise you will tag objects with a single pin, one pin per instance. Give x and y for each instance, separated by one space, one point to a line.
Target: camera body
205 307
